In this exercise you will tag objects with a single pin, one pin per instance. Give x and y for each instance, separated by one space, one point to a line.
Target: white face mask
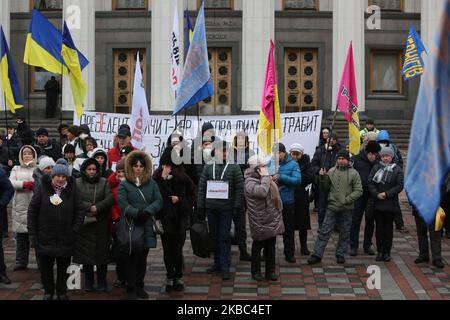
207 154
383 145
83 136
178 147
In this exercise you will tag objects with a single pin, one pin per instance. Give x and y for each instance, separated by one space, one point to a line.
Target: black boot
304 243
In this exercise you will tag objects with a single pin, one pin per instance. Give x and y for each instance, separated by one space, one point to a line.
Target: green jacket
129 197
236 187
344 186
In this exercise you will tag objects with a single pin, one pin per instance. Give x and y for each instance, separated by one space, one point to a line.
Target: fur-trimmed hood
129 175
34 162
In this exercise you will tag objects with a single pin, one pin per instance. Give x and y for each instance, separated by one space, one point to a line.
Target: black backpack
202 245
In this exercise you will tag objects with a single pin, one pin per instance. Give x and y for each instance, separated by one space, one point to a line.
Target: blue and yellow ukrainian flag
413 65
74 60
43 46
188 34
10 84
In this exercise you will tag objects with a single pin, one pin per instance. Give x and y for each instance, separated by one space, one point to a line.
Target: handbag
157 224
130 237
202 245
91 219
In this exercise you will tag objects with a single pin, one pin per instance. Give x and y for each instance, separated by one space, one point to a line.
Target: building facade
311 37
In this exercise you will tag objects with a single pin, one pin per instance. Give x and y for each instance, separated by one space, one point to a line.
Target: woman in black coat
302 217
55 215
178 192
384 184
92 246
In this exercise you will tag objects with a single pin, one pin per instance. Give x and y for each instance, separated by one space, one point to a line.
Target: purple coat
266 221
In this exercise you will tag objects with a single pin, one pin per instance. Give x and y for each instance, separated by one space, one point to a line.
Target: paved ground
400 279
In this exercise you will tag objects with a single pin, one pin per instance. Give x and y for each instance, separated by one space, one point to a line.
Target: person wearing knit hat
385 184
61 169
344 187
286 174
120 165
41 132
363 163
45 167
302 216
45 146
55 216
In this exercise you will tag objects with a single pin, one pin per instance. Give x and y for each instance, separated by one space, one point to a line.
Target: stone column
83 34
349 25
431 13
258 29
163 98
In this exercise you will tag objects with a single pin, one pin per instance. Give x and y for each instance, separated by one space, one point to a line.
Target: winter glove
142 217
28 185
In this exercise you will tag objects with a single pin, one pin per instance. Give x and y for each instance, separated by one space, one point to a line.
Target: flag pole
6 125
62 77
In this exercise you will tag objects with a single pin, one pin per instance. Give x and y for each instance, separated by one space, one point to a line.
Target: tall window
220 66
47 5
386 72
300 79
39 77
301 4
124 67
217 4
130 5
388 5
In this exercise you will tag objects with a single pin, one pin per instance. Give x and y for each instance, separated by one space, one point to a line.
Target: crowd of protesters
68 197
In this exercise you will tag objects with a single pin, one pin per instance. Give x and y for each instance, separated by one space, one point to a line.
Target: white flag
175 52
140 116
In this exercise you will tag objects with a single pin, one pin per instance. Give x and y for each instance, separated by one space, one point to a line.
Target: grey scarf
384 174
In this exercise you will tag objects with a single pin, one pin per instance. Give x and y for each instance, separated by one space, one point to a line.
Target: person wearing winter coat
22 180
55 215
302 217
363 163
92 243
45 167
344 186
324 158
101 156
6 194
241 153
69 155
178 192
45 146
385 184
264 208
423 232
114 181
220 195
122 139
384 140
139 200
24 132
89 144
286 174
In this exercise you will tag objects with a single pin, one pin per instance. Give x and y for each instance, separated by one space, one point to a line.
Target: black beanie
373 147
344 154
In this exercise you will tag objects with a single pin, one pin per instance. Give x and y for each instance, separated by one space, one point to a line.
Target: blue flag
429 146
196 84
413 65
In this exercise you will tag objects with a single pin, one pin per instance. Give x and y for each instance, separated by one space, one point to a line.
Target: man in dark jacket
241 154
52 90
45 146
324 158
288 177
220 194
363 163
24 131
14 142
6 194
345 187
